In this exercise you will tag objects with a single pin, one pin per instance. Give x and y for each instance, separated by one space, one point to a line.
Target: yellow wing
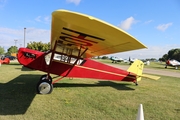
72 30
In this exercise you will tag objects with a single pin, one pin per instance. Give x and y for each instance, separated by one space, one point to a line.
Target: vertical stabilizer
137 68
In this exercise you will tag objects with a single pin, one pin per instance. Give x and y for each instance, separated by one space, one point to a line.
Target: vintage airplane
131 60
75 38
173 63
116 59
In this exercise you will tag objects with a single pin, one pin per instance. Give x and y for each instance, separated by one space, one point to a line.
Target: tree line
172 54
32 45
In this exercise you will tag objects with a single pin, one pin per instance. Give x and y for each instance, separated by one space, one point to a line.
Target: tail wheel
44 87
136 83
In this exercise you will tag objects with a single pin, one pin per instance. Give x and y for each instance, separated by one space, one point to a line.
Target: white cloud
8 35
149 21
34 34
47 19
43 19
76 2
38 19
126 24
152 52
163 27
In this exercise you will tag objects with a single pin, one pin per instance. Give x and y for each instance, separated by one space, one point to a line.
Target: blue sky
155 23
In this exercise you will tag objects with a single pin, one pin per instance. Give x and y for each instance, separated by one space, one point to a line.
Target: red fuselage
87 68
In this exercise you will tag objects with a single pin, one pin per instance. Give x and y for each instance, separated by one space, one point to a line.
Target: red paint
5 61
89 68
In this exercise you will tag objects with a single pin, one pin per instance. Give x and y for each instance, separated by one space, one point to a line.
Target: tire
44 87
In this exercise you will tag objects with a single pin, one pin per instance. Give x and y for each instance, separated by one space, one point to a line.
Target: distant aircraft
75 38
173 63
131 60
116 59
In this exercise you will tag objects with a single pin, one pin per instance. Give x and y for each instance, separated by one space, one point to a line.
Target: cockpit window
62 58
47 58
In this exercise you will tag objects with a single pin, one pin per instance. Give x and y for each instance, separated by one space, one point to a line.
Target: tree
12 49
1 50
39 46
172 54
104 57
164 57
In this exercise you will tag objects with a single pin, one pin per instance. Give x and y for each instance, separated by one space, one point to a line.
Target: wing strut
78 57
52 56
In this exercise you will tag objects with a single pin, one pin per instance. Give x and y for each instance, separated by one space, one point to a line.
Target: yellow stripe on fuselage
112 73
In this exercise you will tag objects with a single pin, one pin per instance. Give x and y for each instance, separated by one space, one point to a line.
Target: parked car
10 57
4 60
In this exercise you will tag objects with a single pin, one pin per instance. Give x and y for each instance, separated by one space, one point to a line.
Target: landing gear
45 77
44 86
136 83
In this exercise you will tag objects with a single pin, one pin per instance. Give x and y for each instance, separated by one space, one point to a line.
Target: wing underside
76 31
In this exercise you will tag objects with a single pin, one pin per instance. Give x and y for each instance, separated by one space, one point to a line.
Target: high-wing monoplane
75 38
173 63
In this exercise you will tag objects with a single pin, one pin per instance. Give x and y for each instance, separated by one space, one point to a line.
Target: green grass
80 99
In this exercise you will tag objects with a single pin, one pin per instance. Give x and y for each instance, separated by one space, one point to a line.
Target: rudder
137 68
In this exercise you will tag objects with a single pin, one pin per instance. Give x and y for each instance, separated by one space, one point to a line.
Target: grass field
85 99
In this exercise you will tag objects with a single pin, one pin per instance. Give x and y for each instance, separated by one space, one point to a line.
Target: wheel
43 77
136 83
44 87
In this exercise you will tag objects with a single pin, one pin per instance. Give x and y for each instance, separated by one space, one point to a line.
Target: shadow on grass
26 69
17 95
23 68
14 63
177 110
118 86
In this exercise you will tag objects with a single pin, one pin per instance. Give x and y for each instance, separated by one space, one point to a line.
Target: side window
66 59
47 58
65 55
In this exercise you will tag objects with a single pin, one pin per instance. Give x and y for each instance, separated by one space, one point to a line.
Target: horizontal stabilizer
151 76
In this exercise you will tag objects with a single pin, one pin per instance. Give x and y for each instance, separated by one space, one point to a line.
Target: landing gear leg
136 83
44 86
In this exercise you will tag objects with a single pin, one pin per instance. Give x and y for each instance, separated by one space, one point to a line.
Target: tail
137 68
